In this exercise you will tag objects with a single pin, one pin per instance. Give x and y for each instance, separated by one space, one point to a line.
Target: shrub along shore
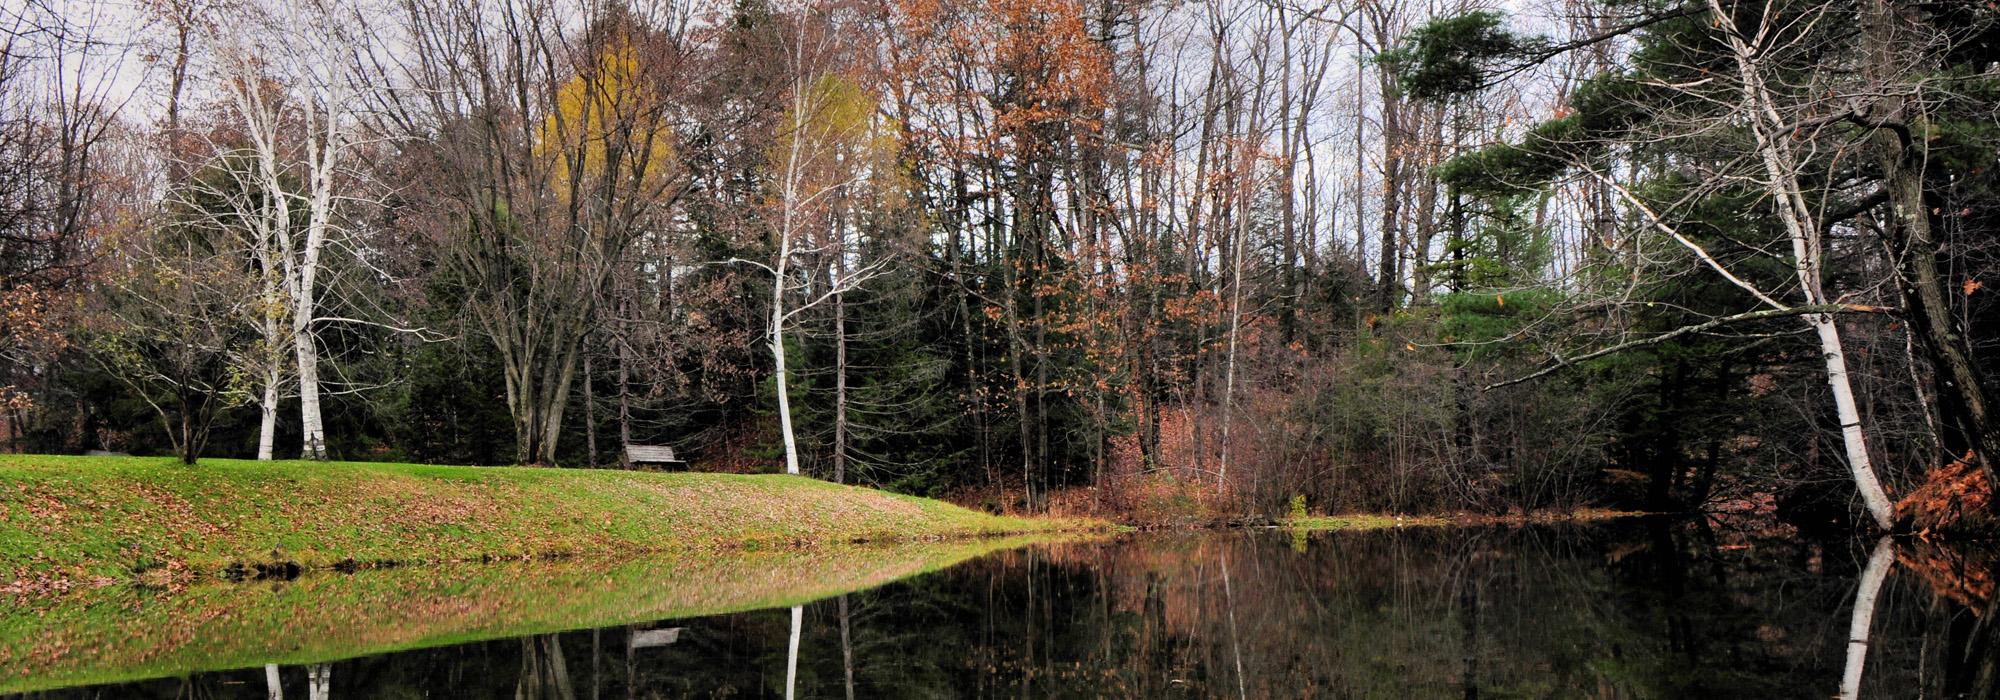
87 522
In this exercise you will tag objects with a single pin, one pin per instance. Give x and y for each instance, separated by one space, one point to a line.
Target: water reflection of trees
1952 602
1635 611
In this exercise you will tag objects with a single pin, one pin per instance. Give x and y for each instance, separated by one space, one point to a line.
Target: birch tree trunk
274 336
786 230
313 437
823 154
778 366
325 108
1781 168
304 310
840 371
267 424
1235 323
1252 145
296 124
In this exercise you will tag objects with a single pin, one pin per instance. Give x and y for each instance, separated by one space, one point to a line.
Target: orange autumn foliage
29 330
1955 497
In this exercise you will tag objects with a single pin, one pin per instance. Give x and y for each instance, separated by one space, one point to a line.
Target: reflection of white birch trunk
1235 644
275 689
846 649
319 681
792 652
1864 616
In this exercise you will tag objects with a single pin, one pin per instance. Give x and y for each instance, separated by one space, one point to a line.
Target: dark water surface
1634 609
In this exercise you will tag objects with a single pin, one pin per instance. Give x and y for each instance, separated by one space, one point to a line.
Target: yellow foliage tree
608 129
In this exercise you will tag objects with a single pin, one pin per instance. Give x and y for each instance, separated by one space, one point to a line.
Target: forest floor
90 522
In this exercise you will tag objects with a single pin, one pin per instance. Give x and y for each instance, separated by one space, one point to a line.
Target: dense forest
1363 255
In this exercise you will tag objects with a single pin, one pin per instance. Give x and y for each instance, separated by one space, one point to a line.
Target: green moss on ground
71 523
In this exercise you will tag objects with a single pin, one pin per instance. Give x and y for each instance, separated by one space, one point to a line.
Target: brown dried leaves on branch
1956 497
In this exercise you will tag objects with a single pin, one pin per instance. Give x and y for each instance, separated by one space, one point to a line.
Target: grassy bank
87 522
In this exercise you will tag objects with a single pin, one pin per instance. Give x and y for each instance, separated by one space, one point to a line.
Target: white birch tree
832 143
1783 167
282 72
228 194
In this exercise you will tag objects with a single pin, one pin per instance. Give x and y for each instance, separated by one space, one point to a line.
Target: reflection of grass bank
1358 522
1378 522
123 633
79 522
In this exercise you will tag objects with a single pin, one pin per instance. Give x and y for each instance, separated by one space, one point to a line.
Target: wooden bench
659 456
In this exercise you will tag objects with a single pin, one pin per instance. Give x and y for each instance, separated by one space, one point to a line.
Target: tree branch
1758 315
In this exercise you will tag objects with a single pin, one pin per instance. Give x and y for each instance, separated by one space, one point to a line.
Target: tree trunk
189 451
307 351
267 424
1426 228
1895 47
589 416
1853 437
624 400
777 342
1781 166
1389 269
840 386
1943 339
1017 347
1235 323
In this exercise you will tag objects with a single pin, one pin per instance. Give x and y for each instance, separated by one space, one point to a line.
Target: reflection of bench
654 638
660 456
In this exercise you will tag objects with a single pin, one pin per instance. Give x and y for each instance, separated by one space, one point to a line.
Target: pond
1632 609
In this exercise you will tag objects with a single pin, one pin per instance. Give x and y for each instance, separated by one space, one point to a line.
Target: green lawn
86 522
